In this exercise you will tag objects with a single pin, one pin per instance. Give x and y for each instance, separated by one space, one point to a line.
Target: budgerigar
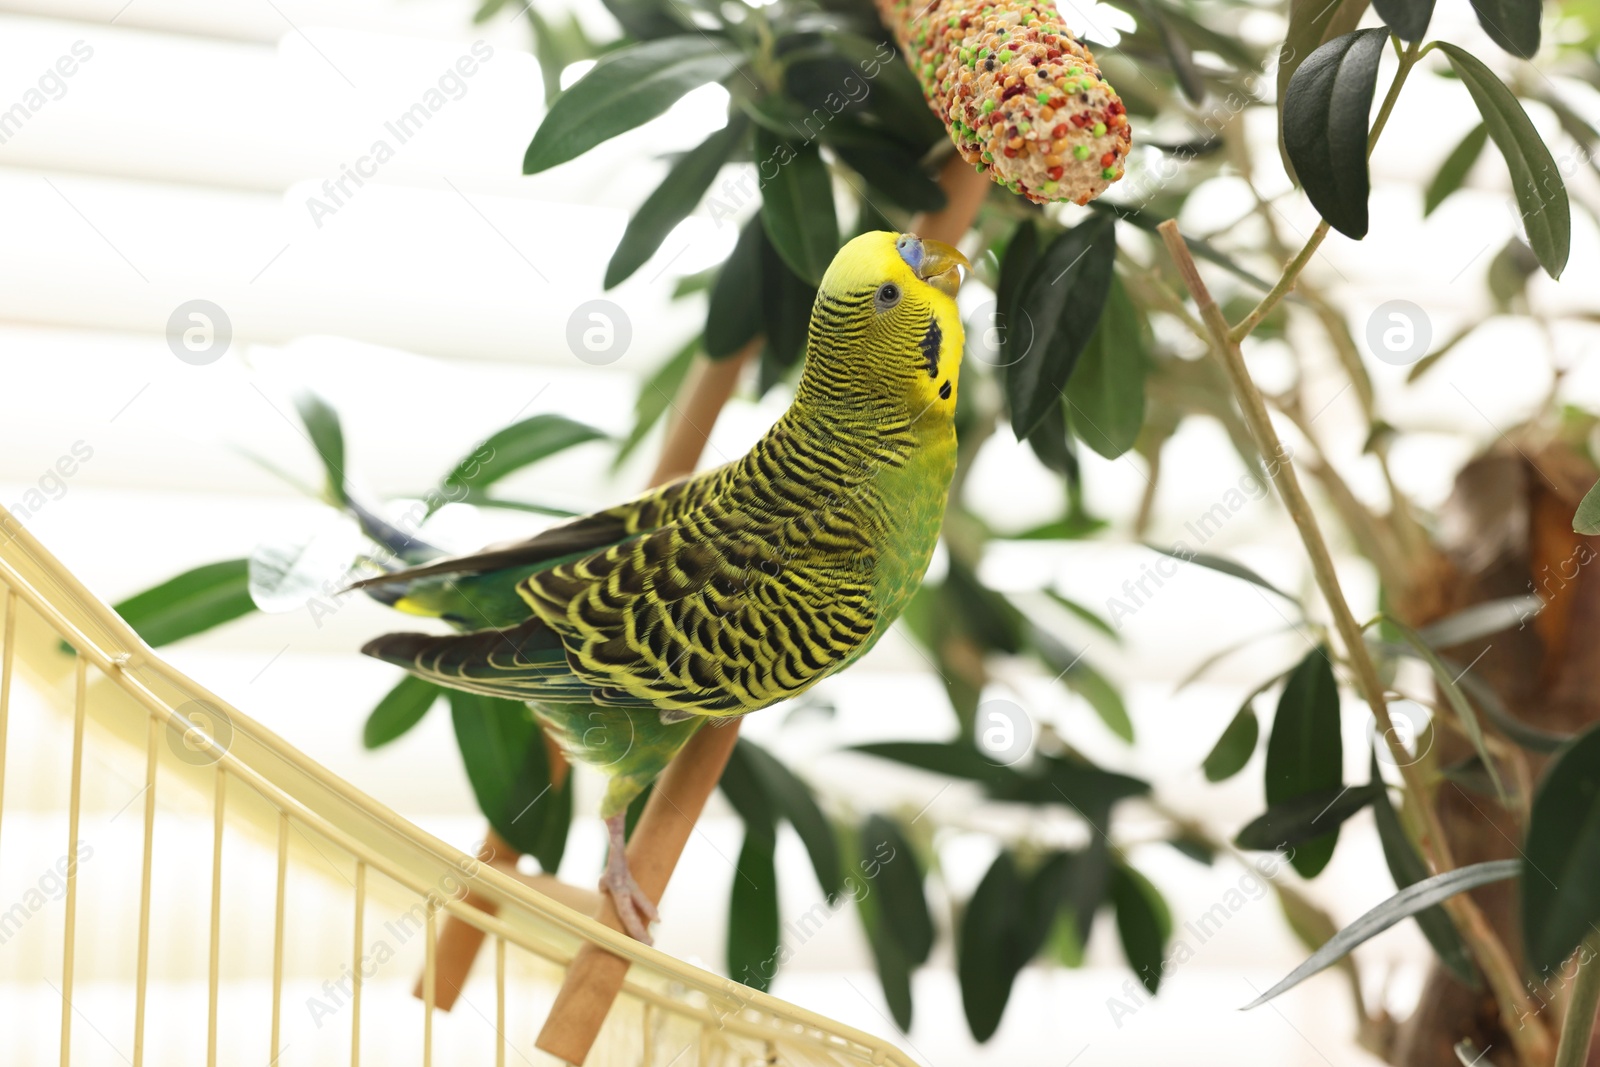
723 593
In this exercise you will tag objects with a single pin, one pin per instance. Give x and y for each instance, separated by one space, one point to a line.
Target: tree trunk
1507 531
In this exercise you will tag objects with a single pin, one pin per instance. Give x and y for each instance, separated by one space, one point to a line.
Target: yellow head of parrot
886 321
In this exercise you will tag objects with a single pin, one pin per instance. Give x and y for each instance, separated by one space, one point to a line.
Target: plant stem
1577 1029
1279 291
1529 1034
1408 59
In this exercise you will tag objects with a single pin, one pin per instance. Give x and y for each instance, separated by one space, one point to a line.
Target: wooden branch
1531 1037
595 976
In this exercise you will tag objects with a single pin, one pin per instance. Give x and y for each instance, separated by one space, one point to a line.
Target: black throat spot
931 342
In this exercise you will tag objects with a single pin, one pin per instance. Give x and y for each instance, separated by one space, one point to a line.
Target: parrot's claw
634 907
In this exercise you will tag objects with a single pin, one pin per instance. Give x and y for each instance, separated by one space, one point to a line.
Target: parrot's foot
634 907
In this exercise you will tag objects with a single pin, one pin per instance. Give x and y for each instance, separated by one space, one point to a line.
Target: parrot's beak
939 267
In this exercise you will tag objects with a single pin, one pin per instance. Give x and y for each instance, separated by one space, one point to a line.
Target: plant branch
1280 290
1530 1036
1577 1029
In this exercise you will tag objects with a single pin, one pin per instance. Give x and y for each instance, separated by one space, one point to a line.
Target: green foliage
1403 905
400 710
797 206
1560 867
1144 923
1106 390
625 89
1325 126
327 437
988 954
1235 747
1062 301
190 603
1303 818
1453 171
522 444
1511 24
1407 18
503 750
672 201
1535 177
1587 518
1407 868
753 913
1305 754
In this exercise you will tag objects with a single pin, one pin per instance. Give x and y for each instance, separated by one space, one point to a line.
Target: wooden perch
595 976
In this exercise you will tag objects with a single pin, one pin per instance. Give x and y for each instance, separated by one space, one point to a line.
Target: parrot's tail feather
507 663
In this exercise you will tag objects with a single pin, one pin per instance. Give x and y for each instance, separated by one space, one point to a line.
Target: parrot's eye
888 296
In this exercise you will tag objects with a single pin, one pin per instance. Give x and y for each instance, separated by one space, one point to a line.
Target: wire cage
217 897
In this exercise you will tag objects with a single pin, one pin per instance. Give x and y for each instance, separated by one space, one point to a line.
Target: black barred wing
711 615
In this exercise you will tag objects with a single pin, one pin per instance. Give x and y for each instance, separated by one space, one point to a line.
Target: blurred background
189 157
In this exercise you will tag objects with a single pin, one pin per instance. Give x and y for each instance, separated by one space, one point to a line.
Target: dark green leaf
503 750
1106 391
899 884
1401 906
793 800
1225 566
1407 868
894 972
1312 23
1196 848
509 450
753 915
1045 894
1235 747
1561 860
1063 300
1144 923
656 396
1511 24
190 603
1407 18
1304 818
401 709
1587 519
327 437
1050 441
1325 126
1508 275
986 962
954 760
797 205
1541 194
1453 171
895 173
625 89
1304 753
734 314
1016 268
672 201
741 783
786 301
